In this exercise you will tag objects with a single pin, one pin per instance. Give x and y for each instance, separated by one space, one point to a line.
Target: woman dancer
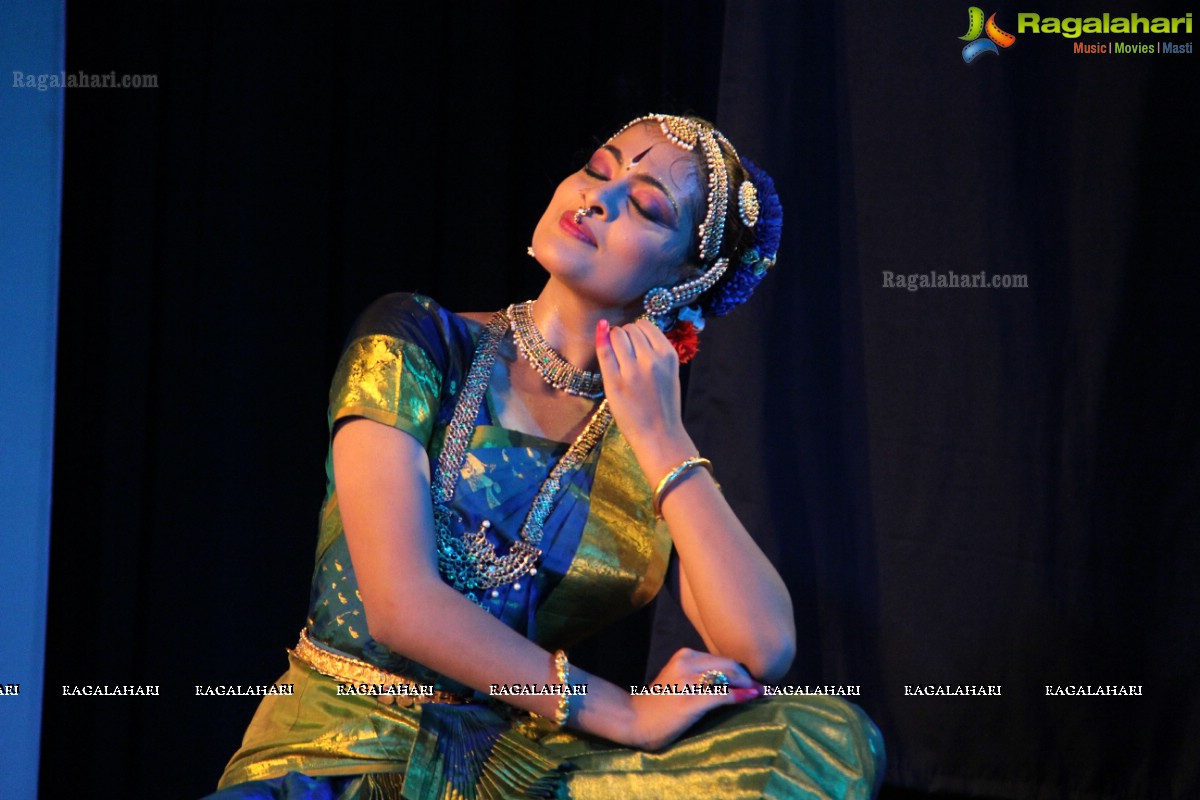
502 485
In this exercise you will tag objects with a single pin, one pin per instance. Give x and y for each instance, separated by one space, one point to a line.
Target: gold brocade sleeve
389 380
622 556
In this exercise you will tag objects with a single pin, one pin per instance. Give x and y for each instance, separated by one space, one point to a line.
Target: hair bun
751 264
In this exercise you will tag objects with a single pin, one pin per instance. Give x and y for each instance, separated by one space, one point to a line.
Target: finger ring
713 677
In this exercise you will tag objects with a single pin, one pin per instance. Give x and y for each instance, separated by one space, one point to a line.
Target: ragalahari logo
996 38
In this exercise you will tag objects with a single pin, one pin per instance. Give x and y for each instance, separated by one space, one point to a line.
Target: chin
558 257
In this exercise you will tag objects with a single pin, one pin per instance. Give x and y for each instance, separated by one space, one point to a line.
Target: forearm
738 595
742 603
446 632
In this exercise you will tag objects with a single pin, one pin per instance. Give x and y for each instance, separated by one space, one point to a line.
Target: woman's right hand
659 720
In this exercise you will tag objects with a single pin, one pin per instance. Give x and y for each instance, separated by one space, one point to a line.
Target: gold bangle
562 670
682 468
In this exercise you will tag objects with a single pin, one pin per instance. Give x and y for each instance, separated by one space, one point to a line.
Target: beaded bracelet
671 477
562 670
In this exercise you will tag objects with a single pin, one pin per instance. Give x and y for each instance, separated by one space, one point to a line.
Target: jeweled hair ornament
758 208
686 134
661 299
748 204
756 260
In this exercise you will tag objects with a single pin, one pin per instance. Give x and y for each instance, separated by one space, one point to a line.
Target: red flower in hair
685 339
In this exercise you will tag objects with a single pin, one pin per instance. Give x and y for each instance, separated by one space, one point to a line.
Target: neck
568 323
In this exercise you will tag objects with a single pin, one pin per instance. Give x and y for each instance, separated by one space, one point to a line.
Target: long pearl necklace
554 369
467 559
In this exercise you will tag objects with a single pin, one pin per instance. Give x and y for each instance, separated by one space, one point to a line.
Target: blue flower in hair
741 279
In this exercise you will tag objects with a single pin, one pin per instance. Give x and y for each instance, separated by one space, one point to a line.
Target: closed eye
597 169
644 210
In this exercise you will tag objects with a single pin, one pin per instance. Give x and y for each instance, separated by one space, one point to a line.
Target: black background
961 486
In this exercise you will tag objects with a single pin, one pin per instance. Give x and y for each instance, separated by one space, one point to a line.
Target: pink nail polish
744 695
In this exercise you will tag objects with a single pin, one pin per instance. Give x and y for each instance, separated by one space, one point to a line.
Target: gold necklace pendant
470 562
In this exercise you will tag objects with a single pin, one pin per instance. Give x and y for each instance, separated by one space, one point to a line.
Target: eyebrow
643 178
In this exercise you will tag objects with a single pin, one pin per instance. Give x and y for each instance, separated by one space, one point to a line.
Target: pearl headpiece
686 134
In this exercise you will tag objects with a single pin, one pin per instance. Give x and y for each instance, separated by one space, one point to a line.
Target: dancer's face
644 196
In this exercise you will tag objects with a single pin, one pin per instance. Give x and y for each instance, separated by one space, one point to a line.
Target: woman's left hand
641 381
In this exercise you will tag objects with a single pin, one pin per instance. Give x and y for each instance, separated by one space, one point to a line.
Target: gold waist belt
386 687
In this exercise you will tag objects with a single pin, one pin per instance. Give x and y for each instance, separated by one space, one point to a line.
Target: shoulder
397 314
416 320
403 351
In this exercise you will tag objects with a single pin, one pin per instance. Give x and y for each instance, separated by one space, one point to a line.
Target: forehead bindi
645 149
641 155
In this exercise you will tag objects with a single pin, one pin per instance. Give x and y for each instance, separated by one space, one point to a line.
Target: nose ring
581 212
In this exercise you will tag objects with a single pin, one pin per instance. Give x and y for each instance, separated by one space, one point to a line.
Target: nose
587 206
603 200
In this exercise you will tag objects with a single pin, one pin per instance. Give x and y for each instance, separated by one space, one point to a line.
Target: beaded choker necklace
554 369
466 559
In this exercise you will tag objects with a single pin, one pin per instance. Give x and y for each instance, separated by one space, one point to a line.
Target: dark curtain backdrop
960 486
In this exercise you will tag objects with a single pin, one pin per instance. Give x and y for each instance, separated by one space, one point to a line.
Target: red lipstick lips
578 230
